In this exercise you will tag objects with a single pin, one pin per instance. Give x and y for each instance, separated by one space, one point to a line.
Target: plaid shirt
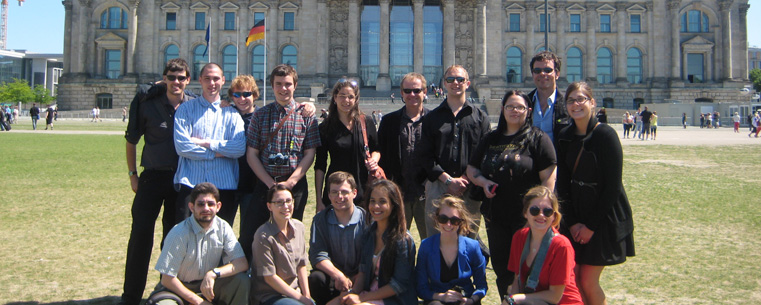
298 134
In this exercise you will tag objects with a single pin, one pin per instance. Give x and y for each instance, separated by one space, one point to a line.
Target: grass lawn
25 123
67 207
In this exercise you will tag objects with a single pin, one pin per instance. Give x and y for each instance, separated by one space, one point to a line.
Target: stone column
88 38
650 66
591 65
743 42
353 47
184 24
323 16
383 82
673 6
620 71
418 37
560 23
129 58
80 38
494 44
244 57
726 33
448 32
215 18
67 59
273 45
479 62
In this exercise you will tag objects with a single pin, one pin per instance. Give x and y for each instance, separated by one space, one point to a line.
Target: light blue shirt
198 118
543 120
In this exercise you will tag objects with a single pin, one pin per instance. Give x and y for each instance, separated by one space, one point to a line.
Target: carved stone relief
339 35
464 33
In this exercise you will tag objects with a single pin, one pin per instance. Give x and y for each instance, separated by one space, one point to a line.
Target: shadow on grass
97 301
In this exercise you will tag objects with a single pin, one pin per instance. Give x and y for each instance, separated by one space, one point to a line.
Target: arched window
604 66
113 18
290 56
257 62
634 66
199 60
514 63
575 64
608 102
695 21
171 52
230 62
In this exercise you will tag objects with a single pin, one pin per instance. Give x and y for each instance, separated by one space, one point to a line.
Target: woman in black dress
597 216
341 138
512 159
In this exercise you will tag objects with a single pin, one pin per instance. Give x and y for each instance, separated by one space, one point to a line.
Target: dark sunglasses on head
443 219
411 90
350 81
243 94
172 78
451 79
547 212
540 70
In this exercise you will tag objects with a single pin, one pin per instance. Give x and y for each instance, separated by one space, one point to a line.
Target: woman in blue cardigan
451 270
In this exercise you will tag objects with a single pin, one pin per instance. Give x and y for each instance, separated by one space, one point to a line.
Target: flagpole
209 42
264 64
237 45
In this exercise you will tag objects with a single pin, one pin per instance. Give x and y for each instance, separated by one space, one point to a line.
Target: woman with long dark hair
342 138
514 158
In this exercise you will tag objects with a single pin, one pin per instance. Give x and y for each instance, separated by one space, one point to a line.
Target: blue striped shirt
198 118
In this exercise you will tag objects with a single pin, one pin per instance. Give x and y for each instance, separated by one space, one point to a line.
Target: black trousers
154 190
257 213
500 240
322 287
227 212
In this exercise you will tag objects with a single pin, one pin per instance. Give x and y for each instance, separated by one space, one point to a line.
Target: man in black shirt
646 115
152 118
451 133
35 114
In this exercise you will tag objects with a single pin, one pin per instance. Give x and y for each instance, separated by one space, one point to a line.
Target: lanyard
536 267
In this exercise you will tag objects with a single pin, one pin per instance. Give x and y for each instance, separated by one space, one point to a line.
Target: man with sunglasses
398 138
451 133
550 114
151 118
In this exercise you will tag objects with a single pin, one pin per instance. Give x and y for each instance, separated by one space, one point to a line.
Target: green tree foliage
16 91
755 78
42 95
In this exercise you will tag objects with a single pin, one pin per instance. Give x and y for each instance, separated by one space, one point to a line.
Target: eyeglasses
348 80
243 94
443 219
516 108
540 70
172 78
580 101
336 193
411 90
451 79
345 96
535 210
281 203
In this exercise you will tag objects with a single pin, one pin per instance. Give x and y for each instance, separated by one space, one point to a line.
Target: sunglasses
242 94
535 210
443 219
411 90
172 78
451 79
348 80
540 70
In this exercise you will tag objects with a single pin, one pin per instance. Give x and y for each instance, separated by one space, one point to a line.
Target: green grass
67 205
73 124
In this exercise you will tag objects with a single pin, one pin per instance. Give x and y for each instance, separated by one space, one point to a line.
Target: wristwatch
217 272
509 299
449 181
132 173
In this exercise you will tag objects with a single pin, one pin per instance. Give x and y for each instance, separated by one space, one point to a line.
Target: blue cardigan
471 262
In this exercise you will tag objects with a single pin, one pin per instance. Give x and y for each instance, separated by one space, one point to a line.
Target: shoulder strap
362 123
581 149
280 125
536 267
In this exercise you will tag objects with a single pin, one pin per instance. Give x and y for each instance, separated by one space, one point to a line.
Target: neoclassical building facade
631 51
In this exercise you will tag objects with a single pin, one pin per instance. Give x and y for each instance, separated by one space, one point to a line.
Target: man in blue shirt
550 114
209 139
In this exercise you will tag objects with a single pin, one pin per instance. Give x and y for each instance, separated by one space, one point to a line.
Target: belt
165 169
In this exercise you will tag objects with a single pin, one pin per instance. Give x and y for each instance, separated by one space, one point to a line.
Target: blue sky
38 25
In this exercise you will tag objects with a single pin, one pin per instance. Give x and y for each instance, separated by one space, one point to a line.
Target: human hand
343 283
457 186
320 206
224 103
201 142
350 299
306 300
584 234
207 285
133 181
489 187
371 164
288 183
307 109
451 296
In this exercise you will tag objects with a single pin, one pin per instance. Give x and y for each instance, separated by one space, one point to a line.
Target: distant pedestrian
602 116
736 119
124 114
392 97
653 125
35 114
755 124
93 115
49 117
716 119
15 115
684 120
97 114
702 120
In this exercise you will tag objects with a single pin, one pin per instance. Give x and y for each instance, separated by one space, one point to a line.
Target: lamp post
546 27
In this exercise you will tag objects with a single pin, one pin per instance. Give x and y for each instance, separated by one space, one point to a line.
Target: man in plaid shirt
282 157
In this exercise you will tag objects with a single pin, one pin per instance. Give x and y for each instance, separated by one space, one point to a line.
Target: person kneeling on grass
202 261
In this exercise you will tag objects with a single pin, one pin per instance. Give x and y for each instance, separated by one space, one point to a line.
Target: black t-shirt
646 115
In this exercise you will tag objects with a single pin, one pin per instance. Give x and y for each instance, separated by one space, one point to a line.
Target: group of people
443 168
644 123
710 120
8 116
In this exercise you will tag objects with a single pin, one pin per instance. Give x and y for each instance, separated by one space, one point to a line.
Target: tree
42 95
16 91
755 78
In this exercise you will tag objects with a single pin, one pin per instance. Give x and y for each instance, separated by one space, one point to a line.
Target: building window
369 44
634 66
432 43
230 62
514 65
199 60
695 21
604 66
635 24
258 16
113 18
515 22
229 21
608 102
257 62
575 22
171 52
575 64
104 101
695 71
113 63
171 21
401 45
200 20
605 23
290 56
289 23
542 23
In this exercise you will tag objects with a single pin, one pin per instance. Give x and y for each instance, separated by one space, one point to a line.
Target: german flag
256 33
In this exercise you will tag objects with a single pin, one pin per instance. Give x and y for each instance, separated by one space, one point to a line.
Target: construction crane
4 24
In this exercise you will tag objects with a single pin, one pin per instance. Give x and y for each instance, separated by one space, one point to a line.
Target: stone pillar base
317 88
383 83
676 83
622 82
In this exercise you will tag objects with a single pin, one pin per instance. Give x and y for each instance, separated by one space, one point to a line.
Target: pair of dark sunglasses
443 219
540 70
411 90
451 79
348 80
242 94
172 78
535 210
